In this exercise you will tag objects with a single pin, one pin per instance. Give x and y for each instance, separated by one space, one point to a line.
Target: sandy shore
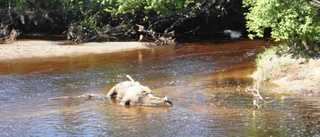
290 74
45 49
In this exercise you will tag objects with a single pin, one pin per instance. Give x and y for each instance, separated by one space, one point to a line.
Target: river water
205 82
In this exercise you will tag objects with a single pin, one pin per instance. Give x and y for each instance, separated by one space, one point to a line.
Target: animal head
143 96
151 100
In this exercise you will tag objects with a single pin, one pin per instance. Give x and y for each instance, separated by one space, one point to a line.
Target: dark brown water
205 81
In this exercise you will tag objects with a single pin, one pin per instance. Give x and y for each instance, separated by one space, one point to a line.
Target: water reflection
205 81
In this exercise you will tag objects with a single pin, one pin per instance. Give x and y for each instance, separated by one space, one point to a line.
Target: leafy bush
161 7
88 18
294 22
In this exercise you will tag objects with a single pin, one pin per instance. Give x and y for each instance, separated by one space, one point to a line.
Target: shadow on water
205 81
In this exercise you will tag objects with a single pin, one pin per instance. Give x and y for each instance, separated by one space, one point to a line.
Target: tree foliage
161 7
295 22
119 18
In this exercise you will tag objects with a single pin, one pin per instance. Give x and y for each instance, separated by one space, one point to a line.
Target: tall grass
278 50
264 67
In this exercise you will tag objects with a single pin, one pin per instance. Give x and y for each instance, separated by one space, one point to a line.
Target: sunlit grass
278 50
264 64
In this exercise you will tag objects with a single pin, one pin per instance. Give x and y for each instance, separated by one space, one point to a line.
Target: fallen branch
256 94
85 96
88 95
159 38
10 38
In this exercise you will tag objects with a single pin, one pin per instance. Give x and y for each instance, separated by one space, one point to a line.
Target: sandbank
46 49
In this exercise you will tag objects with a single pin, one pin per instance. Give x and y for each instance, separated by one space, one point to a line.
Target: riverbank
289 74
45 49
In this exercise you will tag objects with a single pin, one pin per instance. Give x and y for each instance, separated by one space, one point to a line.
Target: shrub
294 22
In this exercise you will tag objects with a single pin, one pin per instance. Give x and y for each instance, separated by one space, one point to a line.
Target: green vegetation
160 7
94 8
275 50
294 22
296 25
87 20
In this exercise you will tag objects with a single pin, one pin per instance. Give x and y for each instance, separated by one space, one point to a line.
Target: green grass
264 70
274 50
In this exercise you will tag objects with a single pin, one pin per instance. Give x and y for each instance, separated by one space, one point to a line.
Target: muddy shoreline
48 49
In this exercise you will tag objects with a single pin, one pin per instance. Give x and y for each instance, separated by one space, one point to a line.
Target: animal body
129 93
133 93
